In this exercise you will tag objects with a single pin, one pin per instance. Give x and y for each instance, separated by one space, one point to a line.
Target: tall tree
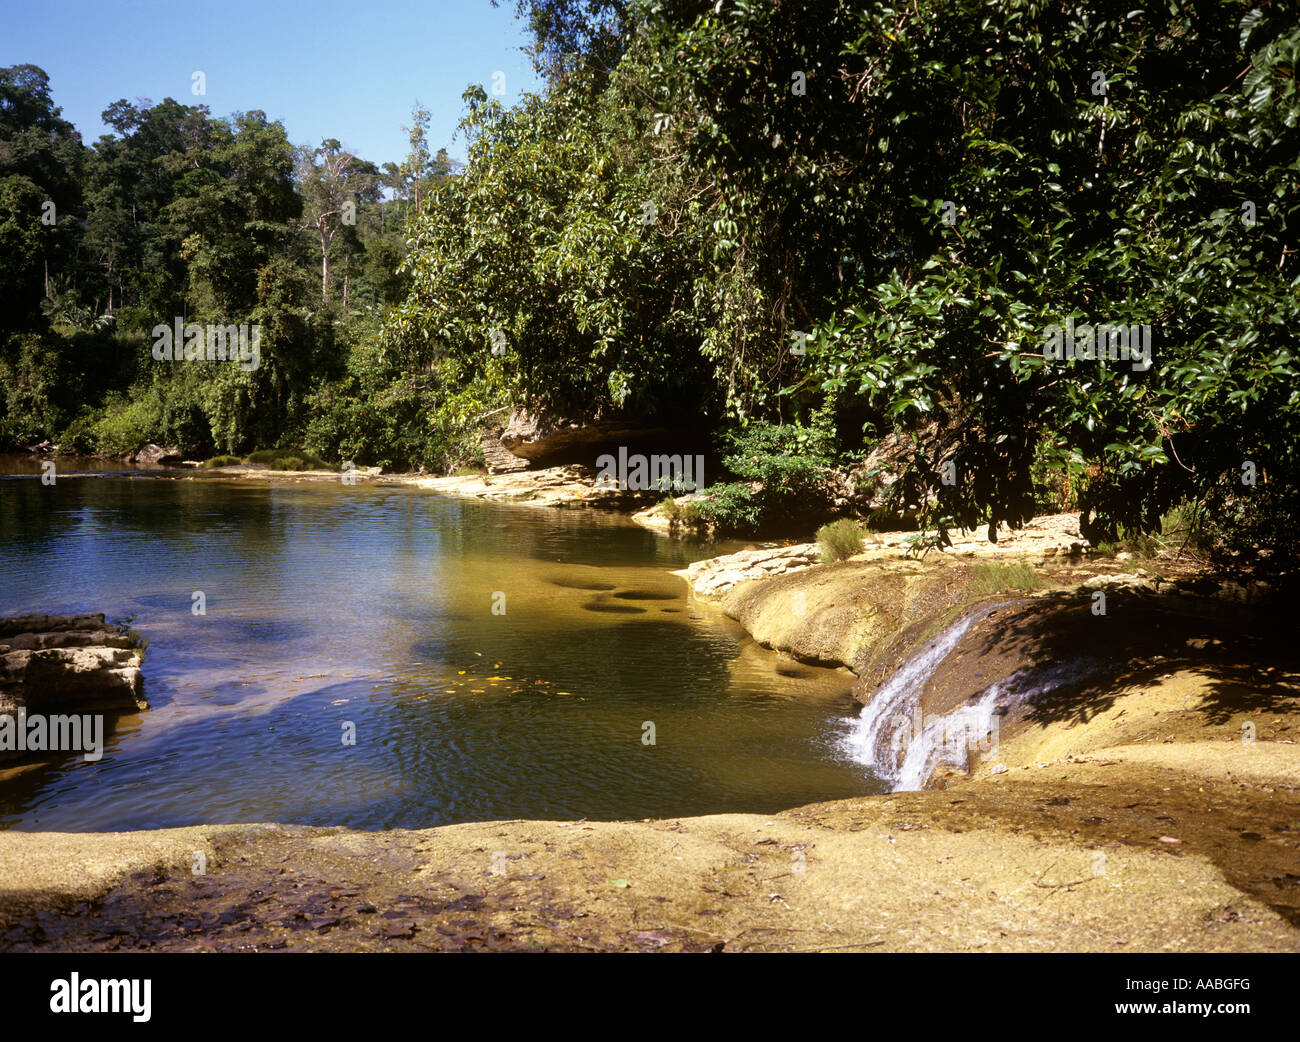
333 183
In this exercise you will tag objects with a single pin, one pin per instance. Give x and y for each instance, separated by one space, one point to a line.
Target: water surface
331 607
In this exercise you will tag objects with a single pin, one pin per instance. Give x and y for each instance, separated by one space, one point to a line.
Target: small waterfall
952 739
904 750
880 737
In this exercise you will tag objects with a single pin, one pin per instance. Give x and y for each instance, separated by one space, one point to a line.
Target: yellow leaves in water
500 678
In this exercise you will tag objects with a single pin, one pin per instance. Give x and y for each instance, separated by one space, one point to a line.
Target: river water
331 609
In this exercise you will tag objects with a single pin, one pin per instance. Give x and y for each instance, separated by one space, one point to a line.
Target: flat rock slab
565 487
1067 858
68 663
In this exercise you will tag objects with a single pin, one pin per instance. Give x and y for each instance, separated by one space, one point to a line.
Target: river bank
1091 854
568 486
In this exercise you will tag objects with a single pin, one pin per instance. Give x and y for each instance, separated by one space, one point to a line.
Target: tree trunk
324 269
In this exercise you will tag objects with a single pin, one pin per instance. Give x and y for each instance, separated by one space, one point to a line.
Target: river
332 610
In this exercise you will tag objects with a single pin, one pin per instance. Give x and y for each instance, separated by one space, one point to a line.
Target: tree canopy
831 224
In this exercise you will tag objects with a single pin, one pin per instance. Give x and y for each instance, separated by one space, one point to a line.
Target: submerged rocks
68 663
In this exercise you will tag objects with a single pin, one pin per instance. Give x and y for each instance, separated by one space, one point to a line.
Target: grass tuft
992 577
840 539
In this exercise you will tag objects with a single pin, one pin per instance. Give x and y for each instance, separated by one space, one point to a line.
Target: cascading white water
904 750
951 739
887 720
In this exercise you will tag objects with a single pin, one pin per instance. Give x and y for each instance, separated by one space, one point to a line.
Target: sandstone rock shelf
69 663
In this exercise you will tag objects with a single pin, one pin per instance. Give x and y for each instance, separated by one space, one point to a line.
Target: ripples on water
373 605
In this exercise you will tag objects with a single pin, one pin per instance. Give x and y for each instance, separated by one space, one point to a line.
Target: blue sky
351 71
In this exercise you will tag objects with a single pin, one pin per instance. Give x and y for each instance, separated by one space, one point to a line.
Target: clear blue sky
350 71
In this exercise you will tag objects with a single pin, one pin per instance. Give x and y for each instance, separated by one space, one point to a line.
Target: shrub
78 438
126 425
223 461
288 459
687 513
732 507
1186 528
1139 544
840 540
783 471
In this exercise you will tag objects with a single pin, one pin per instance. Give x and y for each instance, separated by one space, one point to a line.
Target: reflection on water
369 606
28 463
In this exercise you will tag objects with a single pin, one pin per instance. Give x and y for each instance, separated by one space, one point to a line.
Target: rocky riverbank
1109 656
571 486
1098 853
66 663
566 486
